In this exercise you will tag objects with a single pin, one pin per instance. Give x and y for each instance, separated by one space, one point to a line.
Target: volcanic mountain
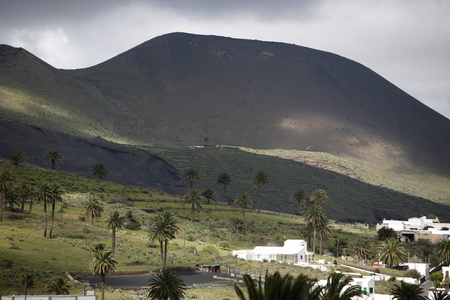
182 90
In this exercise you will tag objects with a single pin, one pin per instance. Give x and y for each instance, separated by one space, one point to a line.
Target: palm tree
114 221
439 296
93 208
168 285
319 196
56 196
103 263
6 180
323 231
11 198
17 157
209 194
236 225
24 193
59 286
163 228
392 252
101 170
307 231
314 214
53 158
362 248
224 180
259 179
299 197
43 194
191 176
194 198
28 282
407 291
337 288
443 251
279 287
243 201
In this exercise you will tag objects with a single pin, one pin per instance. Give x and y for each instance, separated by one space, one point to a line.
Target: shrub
413 274
392 279
209 249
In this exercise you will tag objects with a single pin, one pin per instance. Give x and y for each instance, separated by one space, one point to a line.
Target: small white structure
446 272
422 268
412 224
293 252
366 283
87 295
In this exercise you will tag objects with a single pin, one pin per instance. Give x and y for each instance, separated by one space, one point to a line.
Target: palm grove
164 226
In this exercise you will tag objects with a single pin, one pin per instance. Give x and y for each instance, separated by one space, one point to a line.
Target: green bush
413 274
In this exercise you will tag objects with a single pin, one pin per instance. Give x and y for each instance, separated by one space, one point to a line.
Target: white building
366 283
422 268
411 224
293 252
87 295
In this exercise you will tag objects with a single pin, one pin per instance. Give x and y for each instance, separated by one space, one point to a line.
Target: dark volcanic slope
128 166
189 89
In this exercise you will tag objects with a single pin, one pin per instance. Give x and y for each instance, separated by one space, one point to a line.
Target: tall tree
24 193
210 195
56 196
101 170
114 221
319 196
323 231
338 288
53 158
191 176
277 287
443 251
163 228
58 285
299 197
168 285
43 194
392 252
307 231
28 282
93 208
243 202
194 199
314 214
103 263
362 248
11 198
17 157
259 179
236 225
6 180
224 180
407 291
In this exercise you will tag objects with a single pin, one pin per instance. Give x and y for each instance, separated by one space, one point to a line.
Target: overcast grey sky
405 41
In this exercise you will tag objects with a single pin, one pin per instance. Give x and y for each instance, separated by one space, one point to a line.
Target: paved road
142 280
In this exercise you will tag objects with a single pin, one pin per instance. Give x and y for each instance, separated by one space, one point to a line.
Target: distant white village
295 252
418 228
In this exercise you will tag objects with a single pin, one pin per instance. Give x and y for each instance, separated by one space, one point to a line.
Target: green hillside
350 199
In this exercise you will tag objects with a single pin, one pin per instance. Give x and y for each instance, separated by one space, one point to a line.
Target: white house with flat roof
366 284
293 252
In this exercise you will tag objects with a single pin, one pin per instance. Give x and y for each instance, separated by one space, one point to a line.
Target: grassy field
23 249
